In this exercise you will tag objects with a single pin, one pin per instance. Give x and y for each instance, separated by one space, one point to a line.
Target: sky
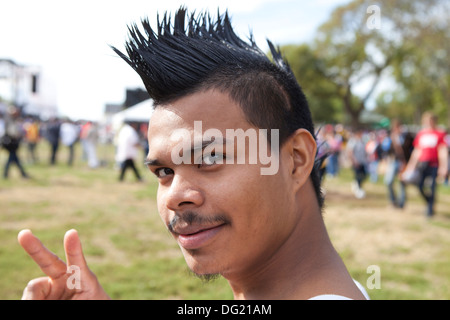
68 41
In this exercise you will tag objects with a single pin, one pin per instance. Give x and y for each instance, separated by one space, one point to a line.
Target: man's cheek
162 209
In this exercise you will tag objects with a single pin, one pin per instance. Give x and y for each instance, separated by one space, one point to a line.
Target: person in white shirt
69 133
127 150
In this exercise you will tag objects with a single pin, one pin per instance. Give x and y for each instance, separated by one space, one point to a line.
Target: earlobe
303 151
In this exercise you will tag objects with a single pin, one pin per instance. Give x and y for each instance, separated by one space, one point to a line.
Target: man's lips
194 237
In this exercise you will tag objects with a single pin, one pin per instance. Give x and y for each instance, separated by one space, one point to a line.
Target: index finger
49 262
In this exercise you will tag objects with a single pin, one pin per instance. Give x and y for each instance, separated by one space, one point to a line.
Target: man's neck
305 266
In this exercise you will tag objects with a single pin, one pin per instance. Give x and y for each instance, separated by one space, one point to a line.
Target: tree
324 105
366 42
422 69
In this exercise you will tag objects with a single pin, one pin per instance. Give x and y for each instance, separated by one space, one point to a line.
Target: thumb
37 289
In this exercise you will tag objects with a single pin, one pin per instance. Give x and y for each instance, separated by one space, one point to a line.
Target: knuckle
35 289
32 285
35 284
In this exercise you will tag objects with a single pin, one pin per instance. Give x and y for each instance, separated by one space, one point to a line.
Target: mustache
192 217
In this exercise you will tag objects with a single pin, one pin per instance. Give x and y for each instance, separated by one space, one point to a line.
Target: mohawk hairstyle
171 61
174 61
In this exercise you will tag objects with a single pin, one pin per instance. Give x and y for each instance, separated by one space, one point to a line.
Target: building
27 88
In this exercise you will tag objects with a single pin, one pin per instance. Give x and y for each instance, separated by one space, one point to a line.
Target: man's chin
201 265
206 274
205 277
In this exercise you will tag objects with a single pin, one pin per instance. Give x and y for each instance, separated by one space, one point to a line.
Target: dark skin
263 233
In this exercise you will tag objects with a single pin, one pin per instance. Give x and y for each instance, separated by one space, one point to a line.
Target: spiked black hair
174 61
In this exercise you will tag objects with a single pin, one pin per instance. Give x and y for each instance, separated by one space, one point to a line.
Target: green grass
411 251
134 257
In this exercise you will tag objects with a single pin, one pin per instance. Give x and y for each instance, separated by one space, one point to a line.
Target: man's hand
60 283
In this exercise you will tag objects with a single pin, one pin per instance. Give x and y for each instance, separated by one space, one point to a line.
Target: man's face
227 218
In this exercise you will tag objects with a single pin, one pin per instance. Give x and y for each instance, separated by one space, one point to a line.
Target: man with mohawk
264 233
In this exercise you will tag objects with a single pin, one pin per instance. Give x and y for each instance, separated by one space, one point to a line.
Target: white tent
140 112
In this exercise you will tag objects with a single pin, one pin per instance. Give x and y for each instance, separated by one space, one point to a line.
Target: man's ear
303 152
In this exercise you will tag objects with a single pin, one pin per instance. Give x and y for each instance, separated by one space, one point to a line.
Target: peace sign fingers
60 284
49 263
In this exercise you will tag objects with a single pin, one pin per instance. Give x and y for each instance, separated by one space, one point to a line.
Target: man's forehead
163 116
213 108
170 131
194 115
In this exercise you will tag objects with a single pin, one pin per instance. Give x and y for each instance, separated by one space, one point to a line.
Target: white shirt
339 297
69 133
127 144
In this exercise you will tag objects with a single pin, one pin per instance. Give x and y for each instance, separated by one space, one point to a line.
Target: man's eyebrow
192 150
152 162
206 143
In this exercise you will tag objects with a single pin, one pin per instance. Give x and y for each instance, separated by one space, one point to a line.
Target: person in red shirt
430 156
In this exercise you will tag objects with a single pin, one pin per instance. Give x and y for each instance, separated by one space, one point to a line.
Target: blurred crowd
19 131
399 156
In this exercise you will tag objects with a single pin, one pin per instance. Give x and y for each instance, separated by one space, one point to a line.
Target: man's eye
214 158
163 172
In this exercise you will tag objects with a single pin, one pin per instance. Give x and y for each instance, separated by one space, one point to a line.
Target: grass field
134 257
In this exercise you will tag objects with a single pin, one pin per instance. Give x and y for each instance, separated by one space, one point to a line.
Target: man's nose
183 192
